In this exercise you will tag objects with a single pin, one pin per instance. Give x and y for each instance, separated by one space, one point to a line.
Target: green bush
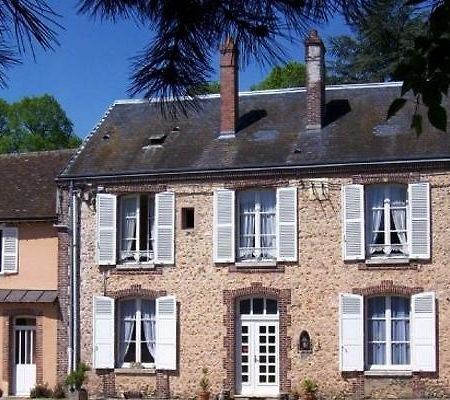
41 391
310 386
77 378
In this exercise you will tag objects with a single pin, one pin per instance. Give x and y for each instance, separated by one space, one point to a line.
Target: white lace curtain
127 326
129 206
149 324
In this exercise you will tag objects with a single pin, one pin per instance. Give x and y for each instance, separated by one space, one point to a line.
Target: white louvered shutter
419 220
423 335
351 332
353 222
106 228
165 228
166 333
10 250
103 332
224 221
287 224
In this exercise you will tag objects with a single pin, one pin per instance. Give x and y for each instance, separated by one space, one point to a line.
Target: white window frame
387 224
257 235
388 342
138 328
137 252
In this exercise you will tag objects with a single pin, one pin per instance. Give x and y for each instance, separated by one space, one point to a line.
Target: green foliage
293 74
41 391
212 87
379 41
58 392
35 124
310 386
204 381
77 377
425 70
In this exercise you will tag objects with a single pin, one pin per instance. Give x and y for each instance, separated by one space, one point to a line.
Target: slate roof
27 296
272 134
27 184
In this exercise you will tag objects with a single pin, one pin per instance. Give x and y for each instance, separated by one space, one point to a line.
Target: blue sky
91 67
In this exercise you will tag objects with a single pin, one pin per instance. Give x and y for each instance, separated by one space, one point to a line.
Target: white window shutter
287 224
106 228
419 220
166 333
165 228
351 332
103 332
353 222
224 222
423 335
10 250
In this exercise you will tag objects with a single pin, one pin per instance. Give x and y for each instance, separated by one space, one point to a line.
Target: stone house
32 329
270 237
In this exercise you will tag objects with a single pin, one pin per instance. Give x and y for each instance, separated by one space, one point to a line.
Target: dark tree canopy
34 124
379 41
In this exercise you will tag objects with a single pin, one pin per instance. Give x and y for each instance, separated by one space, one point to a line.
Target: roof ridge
86 140
36 153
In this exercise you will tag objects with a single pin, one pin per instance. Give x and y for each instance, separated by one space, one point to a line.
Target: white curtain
398 196
127 323
268 223
247 224
400 330
151 222
375 198
149 323
129 206
377 331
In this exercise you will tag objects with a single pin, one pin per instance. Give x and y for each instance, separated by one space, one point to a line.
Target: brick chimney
315 81
229 89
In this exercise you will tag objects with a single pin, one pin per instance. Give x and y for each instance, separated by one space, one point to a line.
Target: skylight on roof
156 139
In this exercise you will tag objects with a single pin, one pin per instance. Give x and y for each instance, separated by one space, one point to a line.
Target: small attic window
156 139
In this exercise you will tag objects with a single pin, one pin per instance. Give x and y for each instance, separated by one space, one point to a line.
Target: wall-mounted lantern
304 344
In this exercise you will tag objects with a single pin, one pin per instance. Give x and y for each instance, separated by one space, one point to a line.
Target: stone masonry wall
314 283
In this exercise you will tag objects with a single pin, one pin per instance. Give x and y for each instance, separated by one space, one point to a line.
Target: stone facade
307 291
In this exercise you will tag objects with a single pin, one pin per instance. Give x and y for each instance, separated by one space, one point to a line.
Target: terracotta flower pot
203 396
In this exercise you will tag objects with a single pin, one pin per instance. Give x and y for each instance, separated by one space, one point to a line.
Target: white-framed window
388 338
137 217
137 333
387 333
257 225
386 222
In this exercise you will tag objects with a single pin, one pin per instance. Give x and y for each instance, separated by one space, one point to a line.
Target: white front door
257 355
24 359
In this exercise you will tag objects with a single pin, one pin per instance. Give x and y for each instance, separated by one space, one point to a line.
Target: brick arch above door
230 297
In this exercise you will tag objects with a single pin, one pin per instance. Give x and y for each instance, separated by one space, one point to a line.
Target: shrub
204 381
58 391
77 378
310 386
40 391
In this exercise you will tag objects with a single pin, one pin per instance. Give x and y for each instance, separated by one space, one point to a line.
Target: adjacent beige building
308 240
30 315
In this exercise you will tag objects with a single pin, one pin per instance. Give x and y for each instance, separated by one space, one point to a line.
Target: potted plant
204 385
75 381
309 389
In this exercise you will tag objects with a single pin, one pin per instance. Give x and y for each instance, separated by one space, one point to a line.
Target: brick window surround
387 287
230 298
8 340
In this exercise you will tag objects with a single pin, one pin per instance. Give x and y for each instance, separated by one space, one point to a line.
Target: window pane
128 228
271 306
400 330
267 201
400 307
244 308
146 357
377 307
377 330
377 353
400 353
258 306
130 354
